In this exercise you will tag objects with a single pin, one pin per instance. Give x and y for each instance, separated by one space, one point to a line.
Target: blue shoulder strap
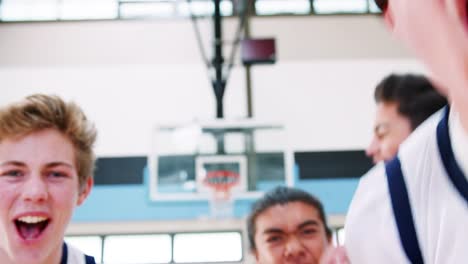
402 211
64 259
89 260
452 168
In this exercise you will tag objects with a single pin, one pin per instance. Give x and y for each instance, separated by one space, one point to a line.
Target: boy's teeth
32 219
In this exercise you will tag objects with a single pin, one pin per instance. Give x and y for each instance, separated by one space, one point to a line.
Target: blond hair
38 112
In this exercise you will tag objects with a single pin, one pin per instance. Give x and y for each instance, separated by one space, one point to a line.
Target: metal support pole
219 84
248 79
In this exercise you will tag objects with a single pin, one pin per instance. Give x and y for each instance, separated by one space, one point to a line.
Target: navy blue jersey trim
402 211
64 254
64 260
89 260
454 172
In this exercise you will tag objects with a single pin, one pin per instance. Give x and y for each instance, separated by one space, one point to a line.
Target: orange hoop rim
221 181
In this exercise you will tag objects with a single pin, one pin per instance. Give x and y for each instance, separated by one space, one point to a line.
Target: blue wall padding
132 203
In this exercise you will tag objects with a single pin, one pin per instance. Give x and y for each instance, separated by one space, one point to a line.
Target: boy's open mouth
31 227
461 7
465 14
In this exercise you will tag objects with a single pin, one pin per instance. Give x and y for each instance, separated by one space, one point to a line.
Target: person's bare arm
437 32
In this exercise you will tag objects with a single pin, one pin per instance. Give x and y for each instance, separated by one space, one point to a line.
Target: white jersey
71 255
437 192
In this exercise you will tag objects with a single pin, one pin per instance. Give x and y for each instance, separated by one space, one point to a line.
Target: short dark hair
416 97
280 196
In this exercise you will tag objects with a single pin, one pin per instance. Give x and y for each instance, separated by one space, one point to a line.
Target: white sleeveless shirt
439 209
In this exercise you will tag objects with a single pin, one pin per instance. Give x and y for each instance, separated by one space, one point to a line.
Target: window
201 247
142 9
373 7
204 8
50 10
20 10
88 9
126 249
275 7
340 6
207 247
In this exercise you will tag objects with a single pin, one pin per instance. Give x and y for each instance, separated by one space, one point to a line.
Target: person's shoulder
370 210
419 153
423 134
75 256
373 178
372 189
370 193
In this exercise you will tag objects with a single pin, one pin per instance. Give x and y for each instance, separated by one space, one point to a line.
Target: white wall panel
131 75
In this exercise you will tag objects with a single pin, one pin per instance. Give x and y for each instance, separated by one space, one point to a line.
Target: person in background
414 208
403 103
46 170
288 225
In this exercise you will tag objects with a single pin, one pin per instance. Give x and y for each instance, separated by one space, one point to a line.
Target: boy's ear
85 190
255 254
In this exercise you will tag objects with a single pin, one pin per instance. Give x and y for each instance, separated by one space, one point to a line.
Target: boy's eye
381 131
56 174
273 239
309 231
13 173
380 135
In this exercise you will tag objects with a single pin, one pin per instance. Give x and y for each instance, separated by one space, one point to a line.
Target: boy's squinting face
38 193
390 130
290 234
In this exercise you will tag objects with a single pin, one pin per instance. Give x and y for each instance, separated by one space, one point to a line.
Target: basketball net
221 183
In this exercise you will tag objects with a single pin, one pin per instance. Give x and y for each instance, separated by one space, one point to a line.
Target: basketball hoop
221 182
222 177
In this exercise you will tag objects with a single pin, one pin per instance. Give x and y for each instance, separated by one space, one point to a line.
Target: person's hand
335 255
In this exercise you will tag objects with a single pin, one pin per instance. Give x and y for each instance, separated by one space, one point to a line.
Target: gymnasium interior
278 91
